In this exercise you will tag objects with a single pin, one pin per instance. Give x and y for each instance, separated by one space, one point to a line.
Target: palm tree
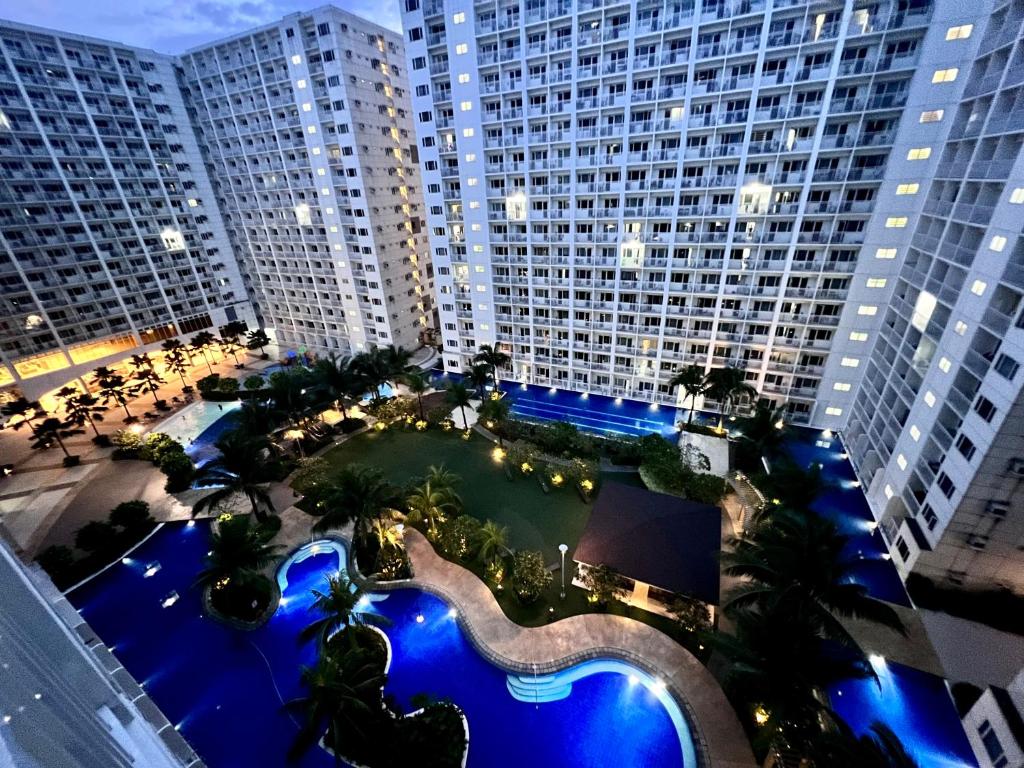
457 395
200 343
146 375
288 391
795 564
174 359
81 408
239 551
229 345
433 501
763 431
478 376
23 407
840 747
418 385
176 348
242 467
442 477
337 607
343 703
359 495
396 359
726 385
114 389
257 339
494 358
694 384
52 430
494 413
493 542
339 377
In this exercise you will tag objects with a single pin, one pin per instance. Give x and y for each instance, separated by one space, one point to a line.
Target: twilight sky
173 26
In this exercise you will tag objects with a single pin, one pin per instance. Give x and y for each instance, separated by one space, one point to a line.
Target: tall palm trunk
92 424
462 410
693 404
206 360
61 444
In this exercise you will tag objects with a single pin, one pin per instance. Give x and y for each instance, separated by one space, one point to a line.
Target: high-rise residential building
617 189
110 236
936 422
64 699
307 128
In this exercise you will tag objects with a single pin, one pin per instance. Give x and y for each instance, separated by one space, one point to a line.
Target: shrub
530 577
58 561
522 452
269 528
604 583
623 452
127 445
208 384
157 445
254 383
691 615
580 470
311 472
228 386
179 470
435 738
347 426
705 488
131 515
95 536
436 415
459 536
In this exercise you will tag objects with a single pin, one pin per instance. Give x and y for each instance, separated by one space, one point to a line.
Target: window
945 485
466 106
858 336
997 244
296 59
467 133
833 411
459 18
930 518
420 62
915 433
901 460
960 328
850 362
945 75
885 253
985 408
978 287
907 189
841 386
416 33
464 78
919 153
929 399
945 364
992 745
959 33
932 115
461 49
1017 196
300 84
896 222
1006 366
323 29
868 310
965 446
876 282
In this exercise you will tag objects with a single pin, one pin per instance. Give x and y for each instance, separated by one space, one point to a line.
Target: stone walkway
716 731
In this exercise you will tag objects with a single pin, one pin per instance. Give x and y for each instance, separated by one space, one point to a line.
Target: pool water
223 689
199 425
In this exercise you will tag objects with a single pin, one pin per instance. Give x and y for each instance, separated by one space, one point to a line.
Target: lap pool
199 425
223 688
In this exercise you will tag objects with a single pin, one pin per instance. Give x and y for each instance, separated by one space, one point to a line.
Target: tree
457 395
604 583
478 376
81 408
52 430
146 375
839 747
95 536
28 410
493 542
339 378
433 501
176 348
257 339
114 389
242 467
530 577
131 515
796 564
359 495
239 551
418 384
495 413
764 430
693 382
726 385
337 608
229 345
493 358
343 703
288 391
174 359
396 360
691 615
201 342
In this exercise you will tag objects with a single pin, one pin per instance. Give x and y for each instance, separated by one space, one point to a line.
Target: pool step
543 688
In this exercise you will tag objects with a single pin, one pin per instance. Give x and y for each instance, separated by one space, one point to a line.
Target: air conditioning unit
976 541
998 509
1016 467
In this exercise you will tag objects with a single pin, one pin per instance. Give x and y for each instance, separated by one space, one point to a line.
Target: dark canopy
661 540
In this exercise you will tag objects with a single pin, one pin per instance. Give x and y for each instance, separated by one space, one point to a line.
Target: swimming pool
199 425
223 688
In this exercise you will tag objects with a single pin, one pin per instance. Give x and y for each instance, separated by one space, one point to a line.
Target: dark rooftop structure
661 540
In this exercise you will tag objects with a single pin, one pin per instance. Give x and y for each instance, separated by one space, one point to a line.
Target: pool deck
717 733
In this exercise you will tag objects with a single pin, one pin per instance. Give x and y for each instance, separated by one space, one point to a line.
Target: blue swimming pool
224 688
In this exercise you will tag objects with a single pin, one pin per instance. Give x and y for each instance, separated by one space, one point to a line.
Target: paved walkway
716 730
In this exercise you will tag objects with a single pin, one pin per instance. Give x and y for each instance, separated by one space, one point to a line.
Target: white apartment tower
307 128
110 237
617 189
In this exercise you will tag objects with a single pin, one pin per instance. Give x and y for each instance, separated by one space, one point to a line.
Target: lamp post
563 549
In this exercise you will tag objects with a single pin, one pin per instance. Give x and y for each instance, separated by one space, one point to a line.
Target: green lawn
535 520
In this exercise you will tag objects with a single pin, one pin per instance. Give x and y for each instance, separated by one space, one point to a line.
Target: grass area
536 520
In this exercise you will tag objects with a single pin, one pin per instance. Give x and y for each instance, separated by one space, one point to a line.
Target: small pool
199 425
223 689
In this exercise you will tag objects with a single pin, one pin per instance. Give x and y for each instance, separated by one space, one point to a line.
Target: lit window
472 181
480 268
481 289
850 362
467 133
907 189
960 327
858 336
307 107
1017 196
833 411
959 33
841 386
465 106
868 310
459 18
929 398
192 202
885 253
978 287
915 432
919 153
945 364
932 115
997 244
461 48
889 492
474 205
902 461
300 84
311 129
321 172
896 222
296 59
470 157
876 282
923 308
464 78
316 150
485 327
945 75
478 249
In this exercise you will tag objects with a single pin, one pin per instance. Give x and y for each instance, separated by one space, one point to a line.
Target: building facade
307 129
110 237
995 726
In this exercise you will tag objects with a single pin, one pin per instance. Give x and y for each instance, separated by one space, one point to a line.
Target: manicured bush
530 577
228 386
179 470
96 536
131 515
58 561
704 487
127 445
459 537
208 384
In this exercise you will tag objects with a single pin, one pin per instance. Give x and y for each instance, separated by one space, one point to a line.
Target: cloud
173 26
